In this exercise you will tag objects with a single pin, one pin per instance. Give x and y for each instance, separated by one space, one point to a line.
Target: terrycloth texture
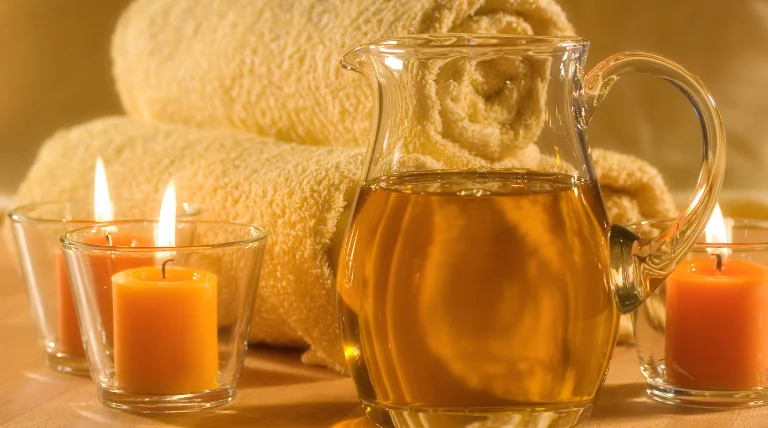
632 188
297 192
461 113
272 67
300 193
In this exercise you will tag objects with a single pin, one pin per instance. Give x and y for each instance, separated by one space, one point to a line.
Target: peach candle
717 325
717 320
103 267
165 330
68 328
165 322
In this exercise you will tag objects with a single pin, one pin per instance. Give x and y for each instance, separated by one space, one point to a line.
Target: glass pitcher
480 283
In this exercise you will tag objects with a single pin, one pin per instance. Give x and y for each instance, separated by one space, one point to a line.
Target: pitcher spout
355 59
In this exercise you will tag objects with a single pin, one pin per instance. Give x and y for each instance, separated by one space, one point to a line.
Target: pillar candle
165 328
717 325
103 266
70 342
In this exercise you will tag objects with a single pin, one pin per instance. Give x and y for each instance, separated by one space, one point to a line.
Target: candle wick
109 239
165 263
719 262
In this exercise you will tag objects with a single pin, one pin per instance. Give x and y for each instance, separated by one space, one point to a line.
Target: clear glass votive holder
702 337
175 335
36 230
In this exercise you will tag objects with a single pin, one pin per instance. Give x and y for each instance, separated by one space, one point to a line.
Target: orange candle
717 325
103 267
69 331
165 326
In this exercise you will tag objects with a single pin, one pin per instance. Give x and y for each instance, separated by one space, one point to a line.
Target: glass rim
479 40
703 246
20 214
439 43
259 234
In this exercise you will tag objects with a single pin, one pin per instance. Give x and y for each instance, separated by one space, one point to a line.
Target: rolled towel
272 68
302 194
299 193
633 189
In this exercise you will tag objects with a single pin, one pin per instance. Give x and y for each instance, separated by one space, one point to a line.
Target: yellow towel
297 192
272 67
300 193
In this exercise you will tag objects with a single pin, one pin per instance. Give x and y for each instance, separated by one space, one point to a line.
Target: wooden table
275 390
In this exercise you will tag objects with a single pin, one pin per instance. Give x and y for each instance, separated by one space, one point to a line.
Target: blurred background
57 73
726 45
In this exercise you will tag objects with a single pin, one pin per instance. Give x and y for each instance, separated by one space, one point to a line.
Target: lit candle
103 267
165 322
717 320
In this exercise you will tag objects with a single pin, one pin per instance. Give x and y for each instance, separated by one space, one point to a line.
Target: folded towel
272 67
633 190
299 193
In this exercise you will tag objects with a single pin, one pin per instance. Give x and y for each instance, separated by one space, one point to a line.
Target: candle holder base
67 363
707 399
181 403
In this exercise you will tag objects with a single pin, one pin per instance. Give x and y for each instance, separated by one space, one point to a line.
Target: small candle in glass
160 313
717 334
37 228
702 337
181 324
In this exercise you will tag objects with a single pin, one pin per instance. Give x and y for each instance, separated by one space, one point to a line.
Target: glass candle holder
171 330
702 337
36 230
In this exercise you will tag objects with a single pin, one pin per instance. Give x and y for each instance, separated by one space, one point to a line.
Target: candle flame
717 232
166 230
102 204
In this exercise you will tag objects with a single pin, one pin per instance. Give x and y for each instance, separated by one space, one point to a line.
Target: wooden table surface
275 390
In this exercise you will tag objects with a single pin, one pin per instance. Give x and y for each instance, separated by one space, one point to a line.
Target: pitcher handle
639 265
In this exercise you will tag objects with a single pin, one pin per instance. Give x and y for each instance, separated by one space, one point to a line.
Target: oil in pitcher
481 290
